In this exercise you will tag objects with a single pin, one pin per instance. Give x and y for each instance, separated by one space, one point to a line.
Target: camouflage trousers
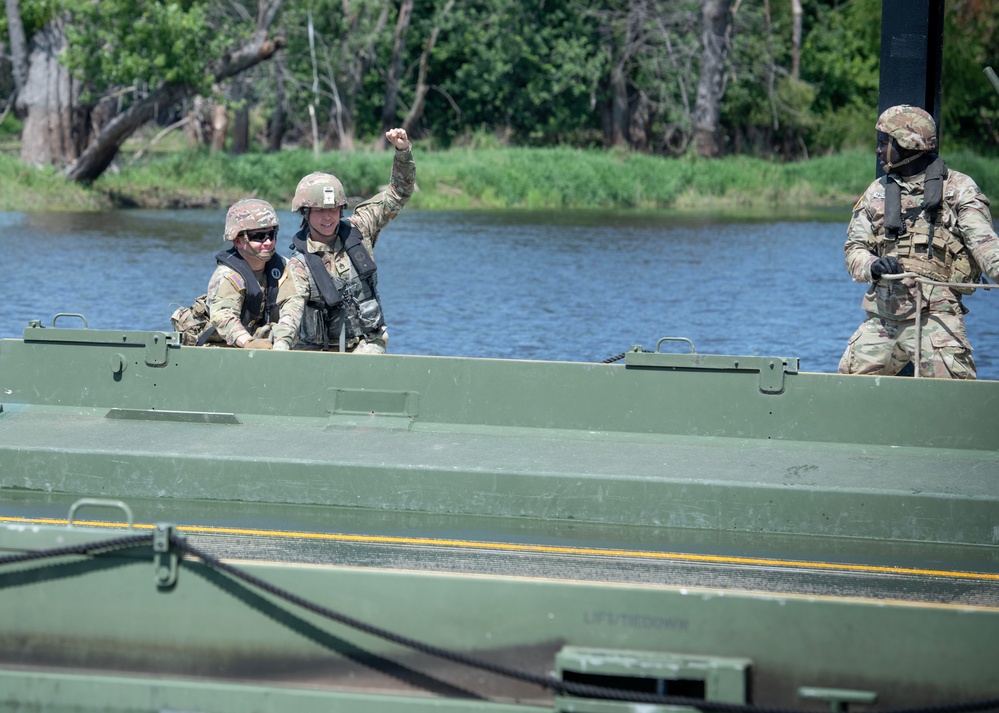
883 347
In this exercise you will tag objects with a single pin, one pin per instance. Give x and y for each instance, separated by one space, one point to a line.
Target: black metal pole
911 55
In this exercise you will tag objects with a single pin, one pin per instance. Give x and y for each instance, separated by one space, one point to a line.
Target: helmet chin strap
892 167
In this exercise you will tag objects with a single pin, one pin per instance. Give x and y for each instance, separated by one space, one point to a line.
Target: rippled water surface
577 287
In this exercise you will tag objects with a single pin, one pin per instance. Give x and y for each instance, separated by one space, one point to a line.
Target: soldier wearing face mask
925 219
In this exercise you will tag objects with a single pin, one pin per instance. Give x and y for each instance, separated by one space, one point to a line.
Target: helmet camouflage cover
319 190
911 127
249 214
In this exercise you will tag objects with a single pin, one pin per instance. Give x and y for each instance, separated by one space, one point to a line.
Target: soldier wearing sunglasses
242 293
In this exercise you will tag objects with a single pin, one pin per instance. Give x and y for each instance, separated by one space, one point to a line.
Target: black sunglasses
260 236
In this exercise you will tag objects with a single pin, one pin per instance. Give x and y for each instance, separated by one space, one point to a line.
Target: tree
652 48
18 45
99 71
711 85
395 69
347 36
797 13
840 56
420 91
970 112
526 71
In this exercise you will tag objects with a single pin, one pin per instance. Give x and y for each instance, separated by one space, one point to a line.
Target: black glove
885 266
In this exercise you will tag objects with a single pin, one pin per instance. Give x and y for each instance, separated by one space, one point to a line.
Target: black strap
350 234
893 207
273 271
331 295
936 174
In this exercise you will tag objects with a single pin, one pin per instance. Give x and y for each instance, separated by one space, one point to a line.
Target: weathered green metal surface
106 614
835 532
71 693
652 443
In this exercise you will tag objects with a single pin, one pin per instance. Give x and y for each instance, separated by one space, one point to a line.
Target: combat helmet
319 190
911 127
249 214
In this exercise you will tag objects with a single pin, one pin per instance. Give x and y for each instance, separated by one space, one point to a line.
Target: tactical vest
345 306
923 243
256 311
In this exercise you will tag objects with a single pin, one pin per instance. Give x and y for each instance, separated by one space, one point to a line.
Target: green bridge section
717 443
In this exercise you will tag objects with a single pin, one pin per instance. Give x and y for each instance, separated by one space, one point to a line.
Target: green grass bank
489 178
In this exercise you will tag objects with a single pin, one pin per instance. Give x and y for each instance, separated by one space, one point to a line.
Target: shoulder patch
237 281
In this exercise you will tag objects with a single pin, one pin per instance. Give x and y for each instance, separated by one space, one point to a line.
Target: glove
258 344
885 266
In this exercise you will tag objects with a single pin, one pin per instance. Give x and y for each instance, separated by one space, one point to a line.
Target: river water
551 286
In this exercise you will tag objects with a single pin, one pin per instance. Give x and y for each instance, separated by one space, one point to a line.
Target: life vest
194 322
347 306
254 298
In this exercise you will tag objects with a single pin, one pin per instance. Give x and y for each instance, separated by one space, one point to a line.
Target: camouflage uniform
963 245
298 291
227 288
226 293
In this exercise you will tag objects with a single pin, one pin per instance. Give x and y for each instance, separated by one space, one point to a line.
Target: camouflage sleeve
860 248
293 291
372 215
974 222
225 304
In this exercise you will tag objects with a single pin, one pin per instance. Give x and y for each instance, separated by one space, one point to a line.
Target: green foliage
343 40
35 14
538 73
658 47
985 171
841 59
203 178
519 178
970 106
527 68
10 127
124 43
23 188
767 111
